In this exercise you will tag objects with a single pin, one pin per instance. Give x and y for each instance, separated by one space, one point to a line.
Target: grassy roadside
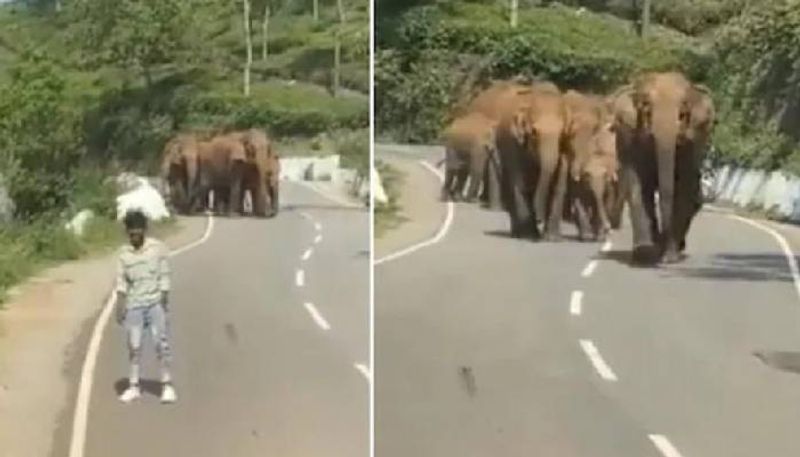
26 250
388 216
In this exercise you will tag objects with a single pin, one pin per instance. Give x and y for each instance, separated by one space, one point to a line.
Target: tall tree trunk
337 58
514 13
645 26
265 34
249 47
340 10
316 10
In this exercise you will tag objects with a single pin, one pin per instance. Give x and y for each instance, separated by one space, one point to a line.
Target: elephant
495 102
179 170
469 141
220 162
590 143
533 169
259 173
664 122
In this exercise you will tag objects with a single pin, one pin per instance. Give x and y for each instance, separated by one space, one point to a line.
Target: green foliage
39 137
353 147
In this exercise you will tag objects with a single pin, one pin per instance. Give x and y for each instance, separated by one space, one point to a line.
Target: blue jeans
138 320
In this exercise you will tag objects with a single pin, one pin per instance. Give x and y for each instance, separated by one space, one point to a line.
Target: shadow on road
780 360
149 386
738 267
624 257
324 207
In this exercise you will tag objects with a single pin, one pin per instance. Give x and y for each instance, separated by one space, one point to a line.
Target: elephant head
179 169
671 112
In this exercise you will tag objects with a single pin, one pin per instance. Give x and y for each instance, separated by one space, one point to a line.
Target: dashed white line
364 371
317 316
600 365
448 220
575 305
81 413
590 267
317 239
300 278
663 445
307 254
317 226
607 246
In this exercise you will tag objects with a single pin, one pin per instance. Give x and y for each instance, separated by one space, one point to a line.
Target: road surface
486 345
270 329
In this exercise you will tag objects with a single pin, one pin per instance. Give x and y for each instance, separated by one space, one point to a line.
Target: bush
353 147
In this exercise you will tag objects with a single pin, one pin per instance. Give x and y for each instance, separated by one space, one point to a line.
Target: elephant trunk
665 133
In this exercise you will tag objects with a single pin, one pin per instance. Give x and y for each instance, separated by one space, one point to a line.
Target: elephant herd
544 155
230 165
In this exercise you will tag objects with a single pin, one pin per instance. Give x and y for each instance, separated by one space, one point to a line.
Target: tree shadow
149 386
738 267
780 360
298 207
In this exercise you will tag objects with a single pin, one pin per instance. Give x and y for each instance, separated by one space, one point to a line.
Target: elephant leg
581 215
547 169
447 186
477 166
553 227
492 182
461 182
644 250
234 199
274 201
259 196
602 225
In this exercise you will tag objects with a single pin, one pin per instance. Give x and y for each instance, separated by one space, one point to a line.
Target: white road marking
364 371
600 365
307 254
315 314
443 229
607 246
575 302
785 247
318 226
300 278
590 267
317 239
81 414
663 445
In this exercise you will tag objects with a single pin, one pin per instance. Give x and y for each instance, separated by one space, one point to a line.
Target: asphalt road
487 345
258 372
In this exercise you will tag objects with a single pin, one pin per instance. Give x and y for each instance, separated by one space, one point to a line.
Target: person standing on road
142 302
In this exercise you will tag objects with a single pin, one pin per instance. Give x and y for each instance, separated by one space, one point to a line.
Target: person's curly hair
135 219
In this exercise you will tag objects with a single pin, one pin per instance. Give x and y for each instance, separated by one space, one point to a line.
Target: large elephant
220 162
590 143
259 173
663 125
179 170
533 168
469 141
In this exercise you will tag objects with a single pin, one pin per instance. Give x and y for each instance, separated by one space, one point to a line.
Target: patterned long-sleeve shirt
143 274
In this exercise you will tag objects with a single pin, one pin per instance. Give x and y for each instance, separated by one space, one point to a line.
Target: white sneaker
168 394
130 394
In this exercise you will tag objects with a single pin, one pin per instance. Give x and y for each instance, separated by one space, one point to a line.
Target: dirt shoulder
41 330
418 200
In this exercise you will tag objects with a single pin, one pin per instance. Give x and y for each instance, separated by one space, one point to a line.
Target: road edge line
785 247
440 234
664 445
81 414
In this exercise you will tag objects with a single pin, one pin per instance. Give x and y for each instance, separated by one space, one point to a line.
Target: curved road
270 330
487 345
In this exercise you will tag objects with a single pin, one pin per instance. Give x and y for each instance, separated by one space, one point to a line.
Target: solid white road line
299 278
785 247
307 254
600 365
321 322
318 226
317 239
364 371
448 220
81 414
590 267
663 445
607 246
575 305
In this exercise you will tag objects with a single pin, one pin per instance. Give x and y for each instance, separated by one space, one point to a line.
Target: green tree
40 144
136 35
